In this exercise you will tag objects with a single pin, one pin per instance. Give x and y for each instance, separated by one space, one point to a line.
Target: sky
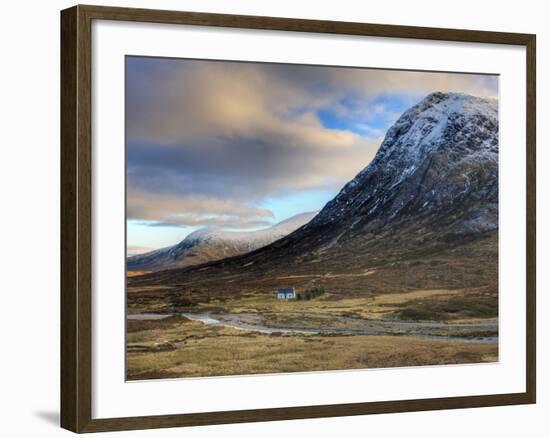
242 146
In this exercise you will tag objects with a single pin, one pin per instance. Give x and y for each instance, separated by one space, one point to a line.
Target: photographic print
294 218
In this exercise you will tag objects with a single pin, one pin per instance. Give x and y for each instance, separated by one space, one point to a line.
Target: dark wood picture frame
76 218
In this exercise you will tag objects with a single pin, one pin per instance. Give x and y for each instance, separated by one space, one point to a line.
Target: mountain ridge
209 244
412 140
428 201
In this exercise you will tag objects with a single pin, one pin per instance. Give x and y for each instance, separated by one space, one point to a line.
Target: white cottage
286 293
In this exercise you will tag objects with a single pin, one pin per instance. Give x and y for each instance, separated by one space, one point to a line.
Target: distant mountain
209 244
422 214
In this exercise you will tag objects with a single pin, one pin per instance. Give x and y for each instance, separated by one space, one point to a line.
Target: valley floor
259 334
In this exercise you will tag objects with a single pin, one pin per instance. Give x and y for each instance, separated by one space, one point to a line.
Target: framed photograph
304 218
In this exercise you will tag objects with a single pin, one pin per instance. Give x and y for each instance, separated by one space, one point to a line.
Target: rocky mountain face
423 213
210 244
438 162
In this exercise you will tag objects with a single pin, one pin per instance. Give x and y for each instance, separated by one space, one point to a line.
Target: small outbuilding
286 293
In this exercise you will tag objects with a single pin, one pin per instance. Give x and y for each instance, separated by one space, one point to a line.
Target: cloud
208 141
374 82
171 100
192 210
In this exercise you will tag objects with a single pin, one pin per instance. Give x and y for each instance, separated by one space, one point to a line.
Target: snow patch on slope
463 127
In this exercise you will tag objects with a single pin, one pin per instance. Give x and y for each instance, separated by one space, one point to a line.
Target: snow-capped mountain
426 207
439 157
209 244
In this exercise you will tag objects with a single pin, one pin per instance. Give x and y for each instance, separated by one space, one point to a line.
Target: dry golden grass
136 273
177 347
377 307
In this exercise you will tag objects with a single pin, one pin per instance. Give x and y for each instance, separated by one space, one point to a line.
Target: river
255 322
